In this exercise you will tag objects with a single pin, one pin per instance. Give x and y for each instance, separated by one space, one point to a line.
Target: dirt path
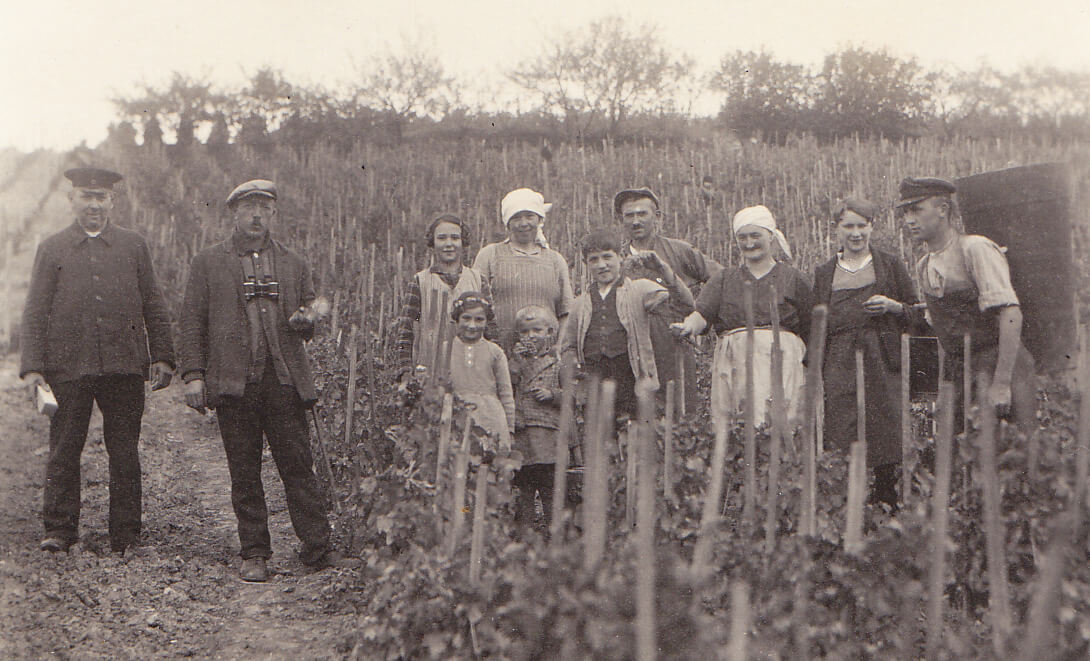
181 596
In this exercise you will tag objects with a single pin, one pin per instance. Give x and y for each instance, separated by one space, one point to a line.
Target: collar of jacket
235 243
78 235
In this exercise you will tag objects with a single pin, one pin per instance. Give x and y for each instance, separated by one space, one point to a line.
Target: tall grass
336 203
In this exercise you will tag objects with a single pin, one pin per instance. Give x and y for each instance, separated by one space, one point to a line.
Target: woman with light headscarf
721 306
522 270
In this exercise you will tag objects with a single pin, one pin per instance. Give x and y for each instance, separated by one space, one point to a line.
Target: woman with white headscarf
522 270
721 307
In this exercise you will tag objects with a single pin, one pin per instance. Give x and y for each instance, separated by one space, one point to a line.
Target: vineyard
691 561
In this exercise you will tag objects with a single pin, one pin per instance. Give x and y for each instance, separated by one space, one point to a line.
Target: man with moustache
94 326
242 331
638 210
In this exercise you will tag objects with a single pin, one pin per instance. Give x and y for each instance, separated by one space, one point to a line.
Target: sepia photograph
574 330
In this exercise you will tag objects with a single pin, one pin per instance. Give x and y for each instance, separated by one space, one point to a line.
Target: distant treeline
613 80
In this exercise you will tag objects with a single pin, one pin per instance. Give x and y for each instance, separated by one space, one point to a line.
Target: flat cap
92 177
633 194
914 189
262 187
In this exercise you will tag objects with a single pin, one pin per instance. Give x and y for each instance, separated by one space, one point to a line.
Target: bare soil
177 596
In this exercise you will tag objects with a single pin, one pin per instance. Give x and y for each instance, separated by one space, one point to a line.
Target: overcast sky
64 60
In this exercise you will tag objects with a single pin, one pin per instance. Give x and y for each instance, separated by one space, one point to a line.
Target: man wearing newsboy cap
94 327
242 331
638 211
966 282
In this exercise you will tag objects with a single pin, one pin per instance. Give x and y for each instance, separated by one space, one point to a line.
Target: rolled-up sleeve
990 272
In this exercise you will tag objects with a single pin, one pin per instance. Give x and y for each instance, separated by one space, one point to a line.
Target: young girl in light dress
479 372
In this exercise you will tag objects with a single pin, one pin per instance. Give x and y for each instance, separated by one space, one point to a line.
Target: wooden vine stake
995 533
350 397
710 516
940 498
906 418
857 487
457 503
631 445
437 368
779 419
643 433
446 418
563 436
668 443
476 539
740 618
967 381
857 465
1082 458
813 379
594 537
427 354
1039 641
749 489
680 353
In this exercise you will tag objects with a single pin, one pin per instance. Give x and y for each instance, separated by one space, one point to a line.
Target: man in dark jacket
92 313
638 211
242 331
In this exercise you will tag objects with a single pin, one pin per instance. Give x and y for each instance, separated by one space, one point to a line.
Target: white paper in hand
45 401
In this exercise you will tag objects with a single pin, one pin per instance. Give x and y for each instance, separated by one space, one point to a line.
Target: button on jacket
94 307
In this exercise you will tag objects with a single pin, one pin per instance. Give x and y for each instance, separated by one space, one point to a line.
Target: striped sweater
518 279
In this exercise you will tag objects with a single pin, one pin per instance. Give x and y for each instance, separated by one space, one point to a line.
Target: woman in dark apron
870 298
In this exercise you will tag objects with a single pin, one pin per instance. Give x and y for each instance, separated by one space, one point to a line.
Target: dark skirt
848 331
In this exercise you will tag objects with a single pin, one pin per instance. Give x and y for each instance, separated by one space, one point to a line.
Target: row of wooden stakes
640 472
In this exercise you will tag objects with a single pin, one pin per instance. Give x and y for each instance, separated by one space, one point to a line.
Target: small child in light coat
535 376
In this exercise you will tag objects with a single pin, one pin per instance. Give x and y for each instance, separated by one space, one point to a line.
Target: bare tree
406 84
607 71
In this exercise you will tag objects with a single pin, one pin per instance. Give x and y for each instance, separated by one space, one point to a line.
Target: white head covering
524 199
760 216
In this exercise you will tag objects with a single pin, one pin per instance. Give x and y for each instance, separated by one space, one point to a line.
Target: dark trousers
533 480
120 397
274 411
